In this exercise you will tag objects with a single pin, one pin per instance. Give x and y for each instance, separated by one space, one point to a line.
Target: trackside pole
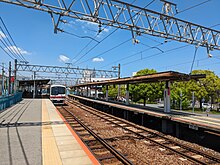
127 94
167 97
96 94
106 97
87 91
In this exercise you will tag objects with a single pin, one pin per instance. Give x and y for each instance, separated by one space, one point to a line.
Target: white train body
58 94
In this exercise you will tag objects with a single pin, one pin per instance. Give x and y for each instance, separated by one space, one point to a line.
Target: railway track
104 152
131 130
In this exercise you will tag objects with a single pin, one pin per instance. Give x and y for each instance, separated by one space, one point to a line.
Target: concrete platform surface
33 132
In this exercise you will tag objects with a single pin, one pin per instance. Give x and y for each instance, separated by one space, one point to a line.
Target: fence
7 101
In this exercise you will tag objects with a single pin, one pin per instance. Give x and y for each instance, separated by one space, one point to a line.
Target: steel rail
117 154
211 157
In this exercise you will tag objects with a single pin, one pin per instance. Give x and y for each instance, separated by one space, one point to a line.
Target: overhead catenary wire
7 46
156 40
182 63
19 52
102 54
193 6
109 35
87 37
194 57
155 54
96 36
134 54
95 46
9 54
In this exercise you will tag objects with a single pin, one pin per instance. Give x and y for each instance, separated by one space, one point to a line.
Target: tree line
205 90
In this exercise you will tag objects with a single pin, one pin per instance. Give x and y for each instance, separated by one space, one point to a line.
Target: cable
124 58
109 35
157 41
95 46
7 52
152 47
102 54
94 37
156 54
83 49
153 39
187 62
7 46
12 39
79 36
193 6
196 48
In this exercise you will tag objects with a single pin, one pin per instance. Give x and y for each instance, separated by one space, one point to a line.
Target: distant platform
194 121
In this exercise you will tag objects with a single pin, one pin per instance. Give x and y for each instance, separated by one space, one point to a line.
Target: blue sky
33 33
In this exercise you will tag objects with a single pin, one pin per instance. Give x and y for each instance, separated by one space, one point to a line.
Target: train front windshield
58 90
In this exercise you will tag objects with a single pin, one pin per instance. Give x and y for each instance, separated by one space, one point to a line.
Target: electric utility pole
9 76
3 89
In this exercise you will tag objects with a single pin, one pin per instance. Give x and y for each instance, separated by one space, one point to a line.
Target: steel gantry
66 70
125 16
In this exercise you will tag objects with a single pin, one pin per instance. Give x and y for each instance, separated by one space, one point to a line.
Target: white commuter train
58 94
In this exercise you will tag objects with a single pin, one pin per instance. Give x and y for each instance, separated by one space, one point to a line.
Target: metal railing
8 101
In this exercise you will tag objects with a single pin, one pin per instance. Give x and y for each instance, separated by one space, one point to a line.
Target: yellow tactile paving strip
64 145
50 152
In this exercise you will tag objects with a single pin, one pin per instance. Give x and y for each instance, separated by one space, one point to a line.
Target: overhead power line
8 47
193 6
16 49
87 37
155 54
102 54
182 63
95 46
6 52
118 12
158 41
109 34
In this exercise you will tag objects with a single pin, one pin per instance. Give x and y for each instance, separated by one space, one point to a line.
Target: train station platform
194 121
33 132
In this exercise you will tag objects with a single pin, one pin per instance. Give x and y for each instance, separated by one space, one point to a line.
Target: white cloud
98 59
106 30
17 49
2 35
63 58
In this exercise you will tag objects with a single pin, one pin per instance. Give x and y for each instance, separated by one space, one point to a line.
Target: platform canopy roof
155 77
31 82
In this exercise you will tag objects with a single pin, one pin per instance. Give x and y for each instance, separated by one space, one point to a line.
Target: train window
57 90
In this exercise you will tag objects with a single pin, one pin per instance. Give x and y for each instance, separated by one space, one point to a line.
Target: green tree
113 90
178 89
205 88
146 91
